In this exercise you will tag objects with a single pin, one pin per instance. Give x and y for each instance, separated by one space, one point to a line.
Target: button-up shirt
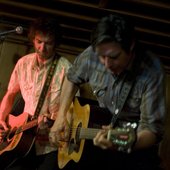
146 101
29 76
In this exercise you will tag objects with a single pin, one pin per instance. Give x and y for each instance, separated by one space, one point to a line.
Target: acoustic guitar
19 139
123 137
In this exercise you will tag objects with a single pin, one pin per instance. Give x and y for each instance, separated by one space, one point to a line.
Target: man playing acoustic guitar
129 82
29 77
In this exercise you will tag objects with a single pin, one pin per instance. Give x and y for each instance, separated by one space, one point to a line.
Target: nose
107 61
42 46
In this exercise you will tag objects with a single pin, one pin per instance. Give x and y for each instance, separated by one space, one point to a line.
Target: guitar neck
88 133
27 126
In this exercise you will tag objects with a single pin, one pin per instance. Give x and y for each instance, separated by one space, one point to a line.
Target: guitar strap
45 87
127 86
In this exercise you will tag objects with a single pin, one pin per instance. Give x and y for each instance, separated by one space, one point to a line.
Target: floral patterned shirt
29 76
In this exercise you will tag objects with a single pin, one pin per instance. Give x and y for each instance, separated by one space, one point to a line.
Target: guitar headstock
123 137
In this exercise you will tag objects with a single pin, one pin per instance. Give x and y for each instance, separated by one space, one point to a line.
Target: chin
45 57
115 72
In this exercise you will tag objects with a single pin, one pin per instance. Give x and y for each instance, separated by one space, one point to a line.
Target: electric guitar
19 139
123 137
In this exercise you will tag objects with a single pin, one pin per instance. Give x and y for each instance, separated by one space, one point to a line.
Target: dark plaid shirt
146 101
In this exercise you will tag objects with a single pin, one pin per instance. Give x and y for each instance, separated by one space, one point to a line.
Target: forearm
145 139
6 105
68 92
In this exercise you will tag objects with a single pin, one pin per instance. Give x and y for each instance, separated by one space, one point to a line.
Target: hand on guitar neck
119 138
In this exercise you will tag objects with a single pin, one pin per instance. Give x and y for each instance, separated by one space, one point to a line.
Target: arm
145 139
5 109
77 74
7 104
68 92
8 99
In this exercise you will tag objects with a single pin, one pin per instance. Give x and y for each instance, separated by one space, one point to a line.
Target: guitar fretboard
27 126
88 133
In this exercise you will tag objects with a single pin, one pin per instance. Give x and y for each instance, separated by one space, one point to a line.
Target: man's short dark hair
114 28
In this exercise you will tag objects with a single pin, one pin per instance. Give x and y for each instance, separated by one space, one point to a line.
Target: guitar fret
88 133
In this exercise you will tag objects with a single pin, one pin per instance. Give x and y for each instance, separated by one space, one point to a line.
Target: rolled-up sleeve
153 107
78 73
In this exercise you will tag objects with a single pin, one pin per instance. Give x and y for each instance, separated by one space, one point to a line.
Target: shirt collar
37 65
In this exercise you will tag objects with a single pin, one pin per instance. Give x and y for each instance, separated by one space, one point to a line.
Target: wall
10 52
165 146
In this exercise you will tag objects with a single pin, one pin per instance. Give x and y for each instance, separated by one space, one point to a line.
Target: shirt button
116 111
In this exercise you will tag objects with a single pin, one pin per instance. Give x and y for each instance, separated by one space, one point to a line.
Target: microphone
18 30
